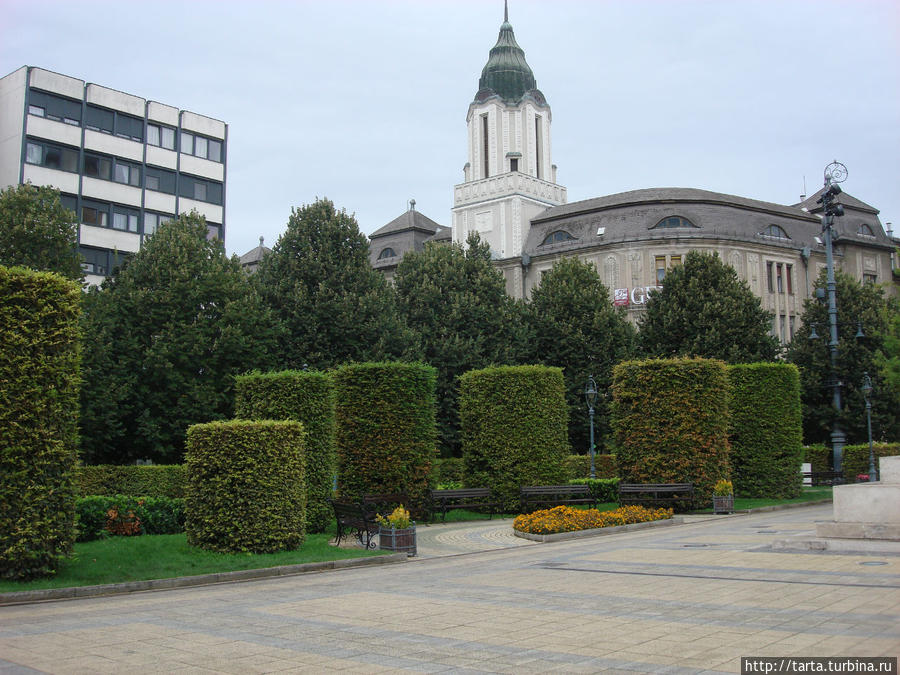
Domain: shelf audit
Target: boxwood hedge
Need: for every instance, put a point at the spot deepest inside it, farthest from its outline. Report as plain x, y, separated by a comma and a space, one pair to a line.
39, 384
307, 397
385, 428
514, 422
670, 418
246, 489
144, 480
766, 430
856, 458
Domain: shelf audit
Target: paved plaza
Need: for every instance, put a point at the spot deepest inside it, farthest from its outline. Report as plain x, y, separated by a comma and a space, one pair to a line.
682, 599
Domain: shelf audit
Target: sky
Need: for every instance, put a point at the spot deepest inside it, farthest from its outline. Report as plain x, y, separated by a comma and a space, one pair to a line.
364, 101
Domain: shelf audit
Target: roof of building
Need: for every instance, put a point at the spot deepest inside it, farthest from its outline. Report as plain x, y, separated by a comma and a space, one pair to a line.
506, 73
255, 255
810, 203
409, 220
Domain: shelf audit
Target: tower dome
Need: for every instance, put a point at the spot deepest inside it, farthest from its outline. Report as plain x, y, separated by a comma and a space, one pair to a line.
506, 73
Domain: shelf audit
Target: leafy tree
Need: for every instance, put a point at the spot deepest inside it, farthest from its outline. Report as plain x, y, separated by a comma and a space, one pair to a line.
705, 310
165, 335
334, 306
888, 356
455, 302
858, 305
37, 232
577, 328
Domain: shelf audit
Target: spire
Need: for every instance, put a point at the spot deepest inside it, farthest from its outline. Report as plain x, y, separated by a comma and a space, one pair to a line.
506, 73
505, 11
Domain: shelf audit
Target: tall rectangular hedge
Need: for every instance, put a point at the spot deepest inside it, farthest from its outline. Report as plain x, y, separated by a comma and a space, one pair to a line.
670, 418
385, 428
39, 385
514, 423
246, 489
766, 430
307, 397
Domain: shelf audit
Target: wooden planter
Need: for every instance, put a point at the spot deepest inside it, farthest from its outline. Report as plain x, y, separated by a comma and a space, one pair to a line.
723, 503
400, 541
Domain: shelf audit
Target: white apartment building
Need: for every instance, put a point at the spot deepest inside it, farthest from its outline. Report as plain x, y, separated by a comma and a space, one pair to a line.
122, 163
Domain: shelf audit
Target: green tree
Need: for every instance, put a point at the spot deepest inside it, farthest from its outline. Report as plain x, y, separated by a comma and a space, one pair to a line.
37, 232
455, 302
164, 337
858, 305
705, 310
334, 306
577, 329
888, 357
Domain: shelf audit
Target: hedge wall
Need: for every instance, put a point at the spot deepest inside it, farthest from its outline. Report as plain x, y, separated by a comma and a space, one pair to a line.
766, 430
579, 466
39, 385
152, 480
514, 423
246, 489
670, 418
819, 456
447, 470
306, 397
385, 428
856, 458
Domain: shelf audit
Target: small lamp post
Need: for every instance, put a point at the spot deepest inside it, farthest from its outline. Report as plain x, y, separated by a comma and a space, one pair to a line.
866, 392
590, 395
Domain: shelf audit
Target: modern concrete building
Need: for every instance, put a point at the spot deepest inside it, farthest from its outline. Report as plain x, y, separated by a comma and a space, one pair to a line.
122, 163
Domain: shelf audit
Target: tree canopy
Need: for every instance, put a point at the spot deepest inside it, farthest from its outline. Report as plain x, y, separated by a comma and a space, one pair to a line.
164, 336
577, 328
37, 232
334, 307
705, 310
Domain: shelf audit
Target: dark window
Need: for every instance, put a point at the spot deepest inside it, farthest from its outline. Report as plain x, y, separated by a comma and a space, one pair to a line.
160, 180
129, 127
200, 189
788, 273
51, 156
865, 230
125, 219
869, 278
770, 284
69, 202
386, 253
514, 164
97, 167
100, 119
96, 261
557, 237
114, 122
775, 231
54, 107
673, 222
213, 231
95, 214
779, 277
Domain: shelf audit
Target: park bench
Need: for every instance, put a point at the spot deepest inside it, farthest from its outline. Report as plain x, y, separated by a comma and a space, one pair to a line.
466, 498
354, 517
535, 497
824, 477
657, 495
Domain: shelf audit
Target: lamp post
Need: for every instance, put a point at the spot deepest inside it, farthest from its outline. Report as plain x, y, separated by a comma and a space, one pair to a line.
590, 395
866, 391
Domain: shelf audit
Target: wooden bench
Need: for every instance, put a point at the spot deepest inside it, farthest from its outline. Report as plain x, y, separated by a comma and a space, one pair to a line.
536, 497
354, 517
657, 495
824, 477
466, 498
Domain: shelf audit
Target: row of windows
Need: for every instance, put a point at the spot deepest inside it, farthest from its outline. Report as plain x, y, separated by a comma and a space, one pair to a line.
44, 104
779, 277
100, 261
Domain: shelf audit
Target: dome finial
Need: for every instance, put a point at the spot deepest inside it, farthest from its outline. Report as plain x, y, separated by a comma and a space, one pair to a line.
505, 11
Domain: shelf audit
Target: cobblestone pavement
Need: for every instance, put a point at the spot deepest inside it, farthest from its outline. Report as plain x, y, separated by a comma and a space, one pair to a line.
684, 599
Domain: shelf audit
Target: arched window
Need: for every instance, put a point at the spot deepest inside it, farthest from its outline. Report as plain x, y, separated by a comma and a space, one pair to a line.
672, 222
556, 237
775, 231
865, 230
386, 253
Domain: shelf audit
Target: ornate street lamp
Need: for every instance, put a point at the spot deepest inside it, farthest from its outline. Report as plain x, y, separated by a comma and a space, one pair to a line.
590, 395
866, 391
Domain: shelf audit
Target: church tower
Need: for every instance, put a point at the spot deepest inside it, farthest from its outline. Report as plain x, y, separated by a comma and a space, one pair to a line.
510, 176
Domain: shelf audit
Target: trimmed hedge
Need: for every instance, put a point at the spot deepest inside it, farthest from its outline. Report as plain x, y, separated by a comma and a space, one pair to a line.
514, 422
579, 466
306, 397
602, 489
447, 470
856, 458
145, 480
246, 489
385, 428
98, 516
819, 457
766, 430
39, 387
670, 418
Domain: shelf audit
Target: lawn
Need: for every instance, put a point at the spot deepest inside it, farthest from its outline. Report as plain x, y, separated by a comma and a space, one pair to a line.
162, 556
809, 494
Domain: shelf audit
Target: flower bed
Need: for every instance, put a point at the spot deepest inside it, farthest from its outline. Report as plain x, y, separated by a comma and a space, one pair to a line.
567, 519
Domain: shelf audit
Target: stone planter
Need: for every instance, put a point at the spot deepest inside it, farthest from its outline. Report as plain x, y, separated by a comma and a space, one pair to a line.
400, 541
723, 503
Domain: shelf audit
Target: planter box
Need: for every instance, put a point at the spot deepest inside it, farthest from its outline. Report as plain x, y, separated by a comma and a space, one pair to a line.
401, 541
723, 503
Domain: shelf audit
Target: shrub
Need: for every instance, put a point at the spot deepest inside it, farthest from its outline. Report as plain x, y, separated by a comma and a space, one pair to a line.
306, 397
856, 458
818, 456
447, 470
671, 422
385, 429
579, 466
246, 489
154, 480
39, 380
602, 489
155, 515
766, 430
514, 429
567, 519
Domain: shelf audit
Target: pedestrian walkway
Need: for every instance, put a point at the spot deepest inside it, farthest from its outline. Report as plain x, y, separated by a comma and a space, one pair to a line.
683, 599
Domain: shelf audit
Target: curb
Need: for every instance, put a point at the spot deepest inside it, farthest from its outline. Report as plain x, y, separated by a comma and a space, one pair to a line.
598, 531
43, 595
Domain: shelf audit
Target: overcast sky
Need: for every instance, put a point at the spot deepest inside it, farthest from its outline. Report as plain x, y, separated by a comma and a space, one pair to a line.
364, 102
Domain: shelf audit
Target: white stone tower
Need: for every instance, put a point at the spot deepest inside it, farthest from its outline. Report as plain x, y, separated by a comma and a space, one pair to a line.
510, 176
